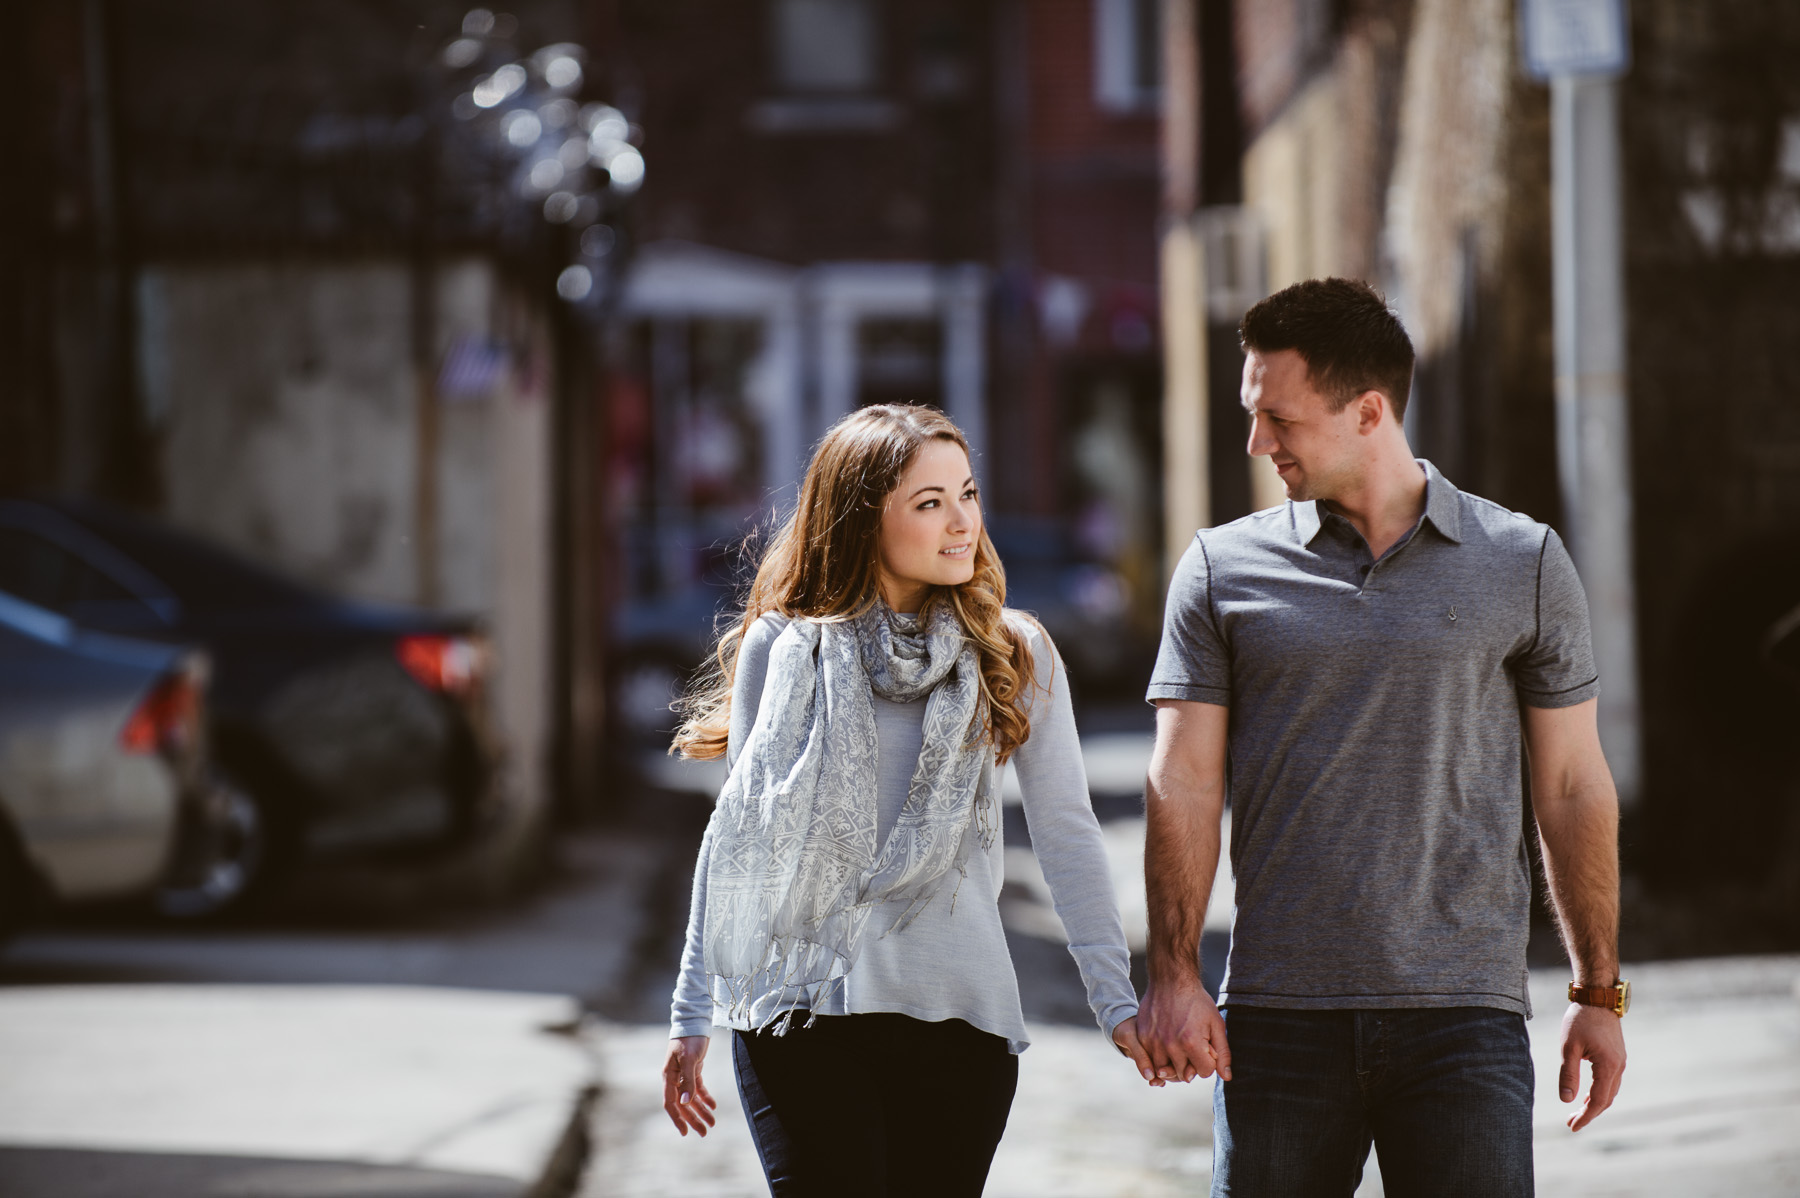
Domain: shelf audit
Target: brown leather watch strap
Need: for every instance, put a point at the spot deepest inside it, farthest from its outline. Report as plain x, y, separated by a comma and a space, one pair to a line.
1615, 998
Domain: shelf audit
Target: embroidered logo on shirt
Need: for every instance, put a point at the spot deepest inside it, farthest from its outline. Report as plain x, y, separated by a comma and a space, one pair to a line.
1453, 613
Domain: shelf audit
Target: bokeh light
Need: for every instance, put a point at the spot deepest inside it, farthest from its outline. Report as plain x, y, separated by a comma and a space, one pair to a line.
558, 114
521, 127
575, 283
562, 73
605, 123
461, 52
597, 241
545, 174
560, 208
573, 154
627, 170
501, 85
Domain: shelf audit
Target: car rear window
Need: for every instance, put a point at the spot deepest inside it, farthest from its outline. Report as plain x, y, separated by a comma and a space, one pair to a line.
200, 574
48, 575
31, 568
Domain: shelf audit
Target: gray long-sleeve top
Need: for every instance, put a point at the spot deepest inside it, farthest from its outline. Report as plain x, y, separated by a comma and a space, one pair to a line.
951, 961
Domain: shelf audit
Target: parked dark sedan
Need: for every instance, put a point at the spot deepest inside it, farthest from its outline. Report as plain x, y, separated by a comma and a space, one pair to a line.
347, 726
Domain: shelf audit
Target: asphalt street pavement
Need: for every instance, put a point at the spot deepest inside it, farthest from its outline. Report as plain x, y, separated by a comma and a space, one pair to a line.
514, 1049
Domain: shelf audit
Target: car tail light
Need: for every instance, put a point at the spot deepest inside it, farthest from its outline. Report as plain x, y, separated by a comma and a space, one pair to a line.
168, 719
450, 665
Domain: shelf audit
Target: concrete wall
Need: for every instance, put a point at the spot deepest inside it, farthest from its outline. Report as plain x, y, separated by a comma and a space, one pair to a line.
1294, 184
286, 403
1448, 184
1414, 153
1466, 245
288, 409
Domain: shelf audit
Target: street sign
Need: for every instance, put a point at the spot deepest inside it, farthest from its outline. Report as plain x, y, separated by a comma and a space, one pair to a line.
1574, 37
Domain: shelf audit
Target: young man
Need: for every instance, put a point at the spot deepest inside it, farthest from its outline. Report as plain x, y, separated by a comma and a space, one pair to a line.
1364, 659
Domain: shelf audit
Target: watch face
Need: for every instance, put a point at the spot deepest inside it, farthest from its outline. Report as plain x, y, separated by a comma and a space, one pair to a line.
1624, 997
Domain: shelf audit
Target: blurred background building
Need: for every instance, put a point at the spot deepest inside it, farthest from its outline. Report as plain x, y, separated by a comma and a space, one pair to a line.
1405, 143
856, 203
299, 277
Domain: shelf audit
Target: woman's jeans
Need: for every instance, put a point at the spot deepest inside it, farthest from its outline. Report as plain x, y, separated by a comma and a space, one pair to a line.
1443, 1093
877, 1106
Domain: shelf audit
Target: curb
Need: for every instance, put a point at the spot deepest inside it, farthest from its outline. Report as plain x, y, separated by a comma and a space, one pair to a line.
567, 1164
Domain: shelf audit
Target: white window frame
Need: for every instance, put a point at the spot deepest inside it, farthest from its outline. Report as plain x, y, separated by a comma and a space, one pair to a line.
1116, 47
676, 280
812, 317
844, 294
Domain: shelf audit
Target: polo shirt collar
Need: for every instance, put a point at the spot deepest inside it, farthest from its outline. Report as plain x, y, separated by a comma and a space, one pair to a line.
1307, 520
1443, 507
1443, 503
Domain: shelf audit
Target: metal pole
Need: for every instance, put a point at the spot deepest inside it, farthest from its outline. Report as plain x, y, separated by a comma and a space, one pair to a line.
1593, 443
1187, 489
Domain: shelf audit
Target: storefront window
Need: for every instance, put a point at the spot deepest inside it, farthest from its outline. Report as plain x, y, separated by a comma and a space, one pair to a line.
825, 46
900, 361
688, 452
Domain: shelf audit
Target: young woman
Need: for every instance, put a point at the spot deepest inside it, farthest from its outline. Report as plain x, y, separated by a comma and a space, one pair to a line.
845, 920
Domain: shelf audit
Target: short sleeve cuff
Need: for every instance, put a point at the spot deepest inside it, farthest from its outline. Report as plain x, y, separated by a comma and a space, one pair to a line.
1192, 691
1562, 698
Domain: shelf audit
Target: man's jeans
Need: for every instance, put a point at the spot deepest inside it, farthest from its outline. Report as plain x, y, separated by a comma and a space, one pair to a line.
1443, 1093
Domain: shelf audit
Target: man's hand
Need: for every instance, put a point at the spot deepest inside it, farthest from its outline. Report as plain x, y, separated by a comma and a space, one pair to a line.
685, 1096
1592, 1034
1183, 1033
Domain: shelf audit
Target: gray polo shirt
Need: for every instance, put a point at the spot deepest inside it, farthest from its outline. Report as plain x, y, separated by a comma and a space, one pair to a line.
1377, 806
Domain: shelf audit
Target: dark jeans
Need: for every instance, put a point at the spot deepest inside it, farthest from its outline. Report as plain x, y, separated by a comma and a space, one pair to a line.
1443, 1093
879, 1105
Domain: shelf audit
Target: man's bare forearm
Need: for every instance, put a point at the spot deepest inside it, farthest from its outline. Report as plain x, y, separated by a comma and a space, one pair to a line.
1579, 832
1577, 812
1184, 800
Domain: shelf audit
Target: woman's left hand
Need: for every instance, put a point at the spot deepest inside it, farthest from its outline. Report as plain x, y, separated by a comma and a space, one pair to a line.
685, 1096
1126, 1037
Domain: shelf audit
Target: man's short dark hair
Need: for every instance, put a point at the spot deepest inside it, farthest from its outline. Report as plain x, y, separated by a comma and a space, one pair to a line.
1344, 331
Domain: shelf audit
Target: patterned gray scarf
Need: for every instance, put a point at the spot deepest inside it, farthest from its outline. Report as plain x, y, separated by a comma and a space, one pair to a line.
795, 868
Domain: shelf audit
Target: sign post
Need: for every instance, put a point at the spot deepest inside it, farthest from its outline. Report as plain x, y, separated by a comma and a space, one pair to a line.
1581, 47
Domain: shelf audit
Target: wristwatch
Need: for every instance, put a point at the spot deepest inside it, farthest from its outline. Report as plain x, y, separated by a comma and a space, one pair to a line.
1615, 998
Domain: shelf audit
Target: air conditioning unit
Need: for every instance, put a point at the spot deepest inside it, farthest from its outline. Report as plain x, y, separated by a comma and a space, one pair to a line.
1234, 263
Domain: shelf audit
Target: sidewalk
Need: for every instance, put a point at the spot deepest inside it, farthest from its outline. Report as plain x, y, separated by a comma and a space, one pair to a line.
1711, 1106
1711, 1102
281, 1089
141, 1091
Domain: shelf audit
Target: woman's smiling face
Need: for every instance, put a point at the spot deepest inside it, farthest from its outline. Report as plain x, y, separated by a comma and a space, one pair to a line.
929, 527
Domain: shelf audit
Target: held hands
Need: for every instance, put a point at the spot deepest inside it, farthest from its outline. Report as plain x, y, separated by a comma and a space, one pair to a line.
685, 1096
1597, 1035
1182, 1034
1125, 1036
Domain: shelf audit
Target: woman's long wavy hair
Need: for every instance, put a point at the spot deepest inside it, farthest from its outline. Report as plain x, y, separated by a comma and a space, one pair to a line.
823, 564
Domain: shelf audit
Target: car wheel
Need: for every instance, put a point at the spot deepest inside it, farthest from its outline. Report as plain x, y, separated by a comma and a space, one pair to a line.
229, 859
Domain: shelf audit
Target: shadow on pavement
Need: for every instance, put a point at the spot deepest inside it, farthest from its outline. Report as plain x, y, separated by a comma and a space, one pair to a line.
91, 1173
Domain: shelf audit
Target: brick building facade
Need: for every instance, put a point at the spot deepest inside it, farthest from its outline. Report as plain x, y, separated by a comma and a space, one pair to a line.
856, 201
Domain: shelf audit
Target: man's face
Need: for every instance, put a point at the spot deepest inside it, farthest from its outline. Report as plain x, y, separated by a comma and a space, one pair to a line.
1316, 451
